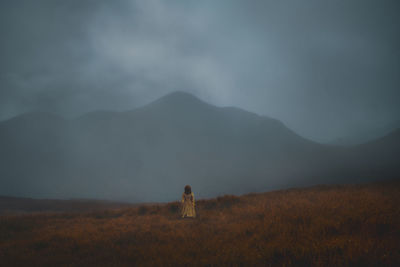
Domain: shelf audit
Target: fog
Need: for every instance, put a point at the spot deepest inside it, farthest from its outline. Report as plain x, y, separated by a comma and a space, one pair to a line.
326, 69
149, 154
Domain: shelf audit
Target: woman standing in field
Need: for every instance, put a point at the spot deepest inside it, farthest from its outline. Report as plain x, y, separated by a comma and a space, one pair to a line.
188, 210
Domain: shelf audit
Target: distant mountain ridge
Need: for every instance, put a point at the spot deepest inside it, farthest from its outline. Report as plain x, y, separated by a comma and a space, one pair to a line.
367, 136
150, 153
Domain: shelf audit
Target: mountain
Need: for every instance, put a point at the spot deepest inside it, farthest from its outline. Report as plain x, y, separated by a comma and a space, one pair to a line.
150, 153
366, 136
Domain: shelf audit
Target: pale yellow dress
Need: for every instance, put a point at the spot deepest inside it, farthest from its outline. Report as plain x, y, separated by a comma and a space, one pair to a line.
188, 209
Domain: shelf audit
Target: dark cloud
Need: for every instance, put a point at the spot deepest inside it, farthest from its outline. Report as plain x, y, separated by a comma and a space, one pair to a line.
325, 68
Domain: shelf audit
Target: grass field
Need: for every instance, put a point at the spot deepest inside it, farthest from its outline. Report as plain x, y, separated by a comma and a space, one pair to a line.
352, 225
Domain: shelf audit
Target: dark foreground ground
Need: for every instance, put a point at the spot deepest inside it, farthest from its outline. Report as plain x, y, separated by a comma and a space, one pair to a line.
352, 225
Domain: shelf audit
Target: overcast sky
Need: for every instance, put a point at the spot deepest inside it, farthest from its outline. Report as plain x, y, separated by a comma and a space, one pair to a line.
324, 68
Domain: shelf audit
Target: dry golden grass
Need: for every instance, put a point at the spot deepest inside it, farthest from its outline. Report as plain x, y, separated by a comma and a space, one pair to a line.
318, 226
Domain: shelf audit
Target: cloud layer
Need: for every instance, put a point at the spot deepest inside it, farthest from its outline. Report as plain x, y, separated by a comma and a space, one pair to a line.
325, 68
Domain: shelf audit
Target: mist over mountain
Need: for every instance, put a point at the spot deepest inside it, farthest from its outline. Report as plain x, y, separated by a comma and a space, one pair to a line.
150, 153
360, 137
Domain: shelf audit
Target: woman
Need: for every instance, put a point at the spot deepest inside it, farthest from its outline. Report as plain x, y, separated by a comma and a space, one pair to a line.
188, 210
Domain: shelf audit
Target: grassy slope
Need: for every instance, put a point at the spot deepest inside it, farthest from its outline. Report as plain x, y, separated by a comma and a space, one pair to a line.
321, 226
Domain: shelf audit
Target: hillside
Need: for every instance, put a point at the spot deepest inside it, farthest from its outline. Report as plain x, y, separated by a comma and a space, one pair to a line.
367, 136
16, 205
319, 226
150, 153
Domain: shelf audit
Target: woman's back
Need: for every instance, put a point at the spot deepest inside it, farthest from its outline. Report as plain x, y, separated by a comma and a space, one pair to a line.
188, 206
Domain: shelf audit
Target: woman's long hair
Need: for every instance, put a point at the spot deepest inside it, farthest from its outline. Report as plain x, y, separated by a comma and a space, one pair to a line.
188, 189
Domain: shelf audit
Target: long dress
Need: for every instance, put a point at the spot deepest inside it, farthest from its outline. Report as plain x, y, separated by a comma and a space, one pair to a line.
188, 205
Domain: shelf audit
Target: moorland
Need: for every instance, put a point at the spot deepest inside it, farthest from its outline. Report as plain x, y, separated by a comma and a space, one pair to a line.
336, 225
